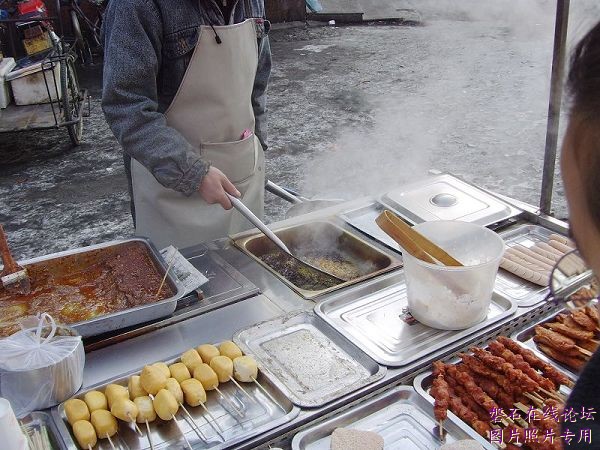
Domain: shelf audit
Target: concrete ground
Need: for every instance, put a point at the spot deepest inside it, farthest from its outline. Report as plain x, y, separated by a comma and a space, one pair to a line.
355, 110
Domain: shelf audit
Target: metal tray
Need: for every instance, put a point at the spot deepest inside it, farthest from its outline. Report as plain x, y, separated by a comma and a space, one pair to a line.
401, 417
126, 317
363, 219
445, 197
370, 260
380, 325
522, 291
258, 417
40, 422
525, 338
308, 359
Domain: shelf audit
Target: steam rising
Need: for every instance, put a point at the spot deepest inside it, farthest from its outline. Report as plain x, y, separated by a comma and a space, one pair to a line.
479, 111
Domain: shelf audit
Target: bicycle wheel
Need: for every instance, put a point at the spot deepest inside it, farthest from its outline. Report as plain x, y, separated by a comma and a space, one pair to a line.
71, 100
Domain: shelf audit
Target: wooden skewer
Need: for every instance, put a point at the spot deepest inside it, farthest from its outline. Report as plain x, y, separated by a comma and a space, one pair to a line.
521, 407
195, 426
555, 395
268, 394
182, 433
213, 422
165, 276
583, 351
243, 390
111, 442
441, 429
135, 425
89, 447
536, 401
233, 405
149, 437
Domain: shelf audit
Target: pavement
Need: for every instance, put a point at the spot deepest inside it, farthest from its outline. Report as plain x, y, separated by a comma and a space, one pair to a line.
354, 110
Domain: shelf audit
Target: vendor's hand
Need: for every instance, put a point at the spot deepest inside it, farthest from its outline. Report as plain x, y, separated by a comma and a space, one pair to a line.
215, 186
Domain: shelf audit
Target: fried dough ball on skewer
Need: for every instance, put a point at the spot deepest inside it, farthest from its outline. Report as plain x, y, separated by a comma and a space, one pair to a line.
124, 409
165, 404
174, 388
207, 376
180, 372
230, 350
193, 392
163, 368
223, 367
208, 352
75, 410
134, 386
245, 369
191, 359
95, 400
85, 434
104, 423
152, 379
145, 407
114, 392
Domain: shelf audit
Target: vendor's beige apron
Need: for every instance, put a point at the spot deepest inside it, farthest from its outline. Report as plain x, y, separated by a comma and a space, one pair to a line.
211, 109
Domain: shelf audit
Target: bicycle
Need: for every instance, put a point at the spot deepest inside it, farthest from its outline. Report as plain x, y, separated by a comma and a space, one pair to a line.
86, 30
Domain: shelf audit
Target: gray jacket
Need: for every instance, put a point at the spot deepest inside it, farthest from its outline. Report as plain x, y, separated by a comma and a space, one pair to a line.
147, 47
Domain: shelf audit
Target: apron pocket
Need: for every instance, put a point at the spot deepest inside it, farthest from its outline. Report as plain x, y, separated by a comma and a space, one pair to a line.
237, 159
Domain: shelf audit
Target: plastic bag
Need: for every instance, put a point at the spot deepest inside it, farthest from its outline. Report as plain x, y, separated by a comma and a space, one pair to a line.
39, 368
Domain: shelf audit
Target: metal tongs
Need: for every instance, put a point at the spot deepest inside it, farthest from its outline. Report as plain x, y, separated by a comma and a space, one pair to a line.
243, 209
414, 242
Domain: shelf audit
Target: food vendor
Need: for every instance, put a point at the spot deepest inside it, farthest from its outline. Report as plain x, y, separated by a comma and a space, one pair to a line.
184, 93
580, 168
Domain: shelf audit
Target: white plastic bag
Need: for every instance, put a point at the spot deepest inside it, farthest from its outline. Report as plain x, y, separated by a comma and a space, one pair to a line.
39, 368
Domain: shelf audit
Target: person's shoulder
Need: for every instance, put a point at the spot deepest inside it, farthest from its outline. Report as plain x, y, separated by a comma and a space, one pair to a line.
132, 6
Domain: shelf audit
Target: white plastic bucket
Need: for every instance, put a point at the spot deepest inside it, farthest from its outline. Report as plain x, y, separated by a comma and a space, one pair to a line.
454, 298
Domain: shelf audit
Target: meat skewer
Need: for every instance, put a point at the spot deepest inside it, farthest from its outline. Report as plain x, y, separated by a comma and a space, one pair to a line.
584, 320
548, 370
561, 343
518, 362
574, 363
467, 399
515, 375
559, 246
592, 312
476, 392
440, 391
481, 369
562, 328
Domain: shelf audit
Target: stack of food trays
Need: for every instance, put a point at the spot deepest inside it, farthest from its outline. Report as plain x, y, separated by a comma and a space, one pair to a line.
506, 393
210, 397
568, 338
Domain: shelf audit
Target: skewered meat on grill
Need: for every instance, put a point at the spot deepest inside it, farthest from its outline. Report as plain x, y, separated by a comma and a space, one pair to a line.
514, 375
584, 320
548, 370
574, 333
468, 383
557, 341
468, 400
462, 411
481, 369
518, 362
439, 390
574, 363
